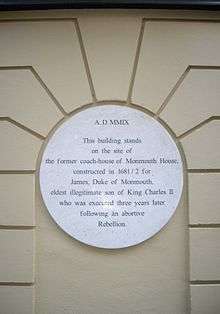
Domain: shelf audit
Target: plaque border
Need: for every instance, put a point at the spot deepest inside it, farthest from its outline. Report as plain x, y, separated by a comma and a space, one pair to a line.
121, 103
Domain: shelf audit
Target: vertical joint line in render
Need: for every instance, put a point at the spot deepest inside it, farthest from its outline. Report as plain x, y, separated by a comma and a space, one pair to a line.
136, 59
85, 60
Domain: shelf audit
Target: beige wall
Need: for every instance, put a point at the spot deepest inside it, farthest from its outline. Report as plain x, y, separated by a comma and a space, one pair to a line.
52, 63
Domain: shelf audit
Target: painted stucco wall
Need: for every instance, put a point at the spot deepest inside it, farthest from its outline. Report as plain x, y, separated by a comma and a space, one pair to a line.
52, 63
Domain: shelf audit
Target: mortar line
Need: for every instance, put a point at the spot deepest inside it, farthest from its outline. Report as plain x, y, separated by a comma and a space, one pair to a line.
17, 171
153, 19
37, 19
204, 67
199, 20
23, 127
35, 221
188, 259
204, 282
22, 284
15, 67
173, 91
203, 170
12, 227
136, 59
207, 226
48, 91
198, 126
85, 60
180, 81
40, 81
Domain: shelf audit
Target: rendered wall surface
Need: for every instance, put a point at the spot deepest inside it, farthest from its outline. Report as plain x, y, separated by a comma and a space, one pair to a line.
52, 63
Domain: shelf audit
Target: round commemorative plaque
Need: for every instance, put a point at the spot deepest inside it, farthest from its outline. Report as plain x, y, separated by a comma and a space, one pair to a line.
111, 176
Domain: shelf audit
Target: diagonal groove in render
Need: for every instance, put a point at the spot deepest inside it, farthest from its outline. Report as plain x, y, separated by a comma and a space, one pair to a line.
198, 126
185, 73
36, 74
82, 48
23, 127
180, 81
47, 90
85, 60
173, 91
136, 59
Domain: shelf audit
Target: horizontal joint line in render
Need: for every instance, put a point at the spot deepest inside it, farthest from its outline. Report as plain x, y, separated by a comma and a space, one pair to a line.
176, 19
37, 19
12, 227
205, 282
17, 171
203, 170
209, 225
22, 284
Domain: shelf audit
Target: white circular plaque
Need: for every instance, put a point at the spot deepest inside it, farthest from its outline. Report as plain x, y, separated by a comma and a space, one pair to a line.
111, 176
